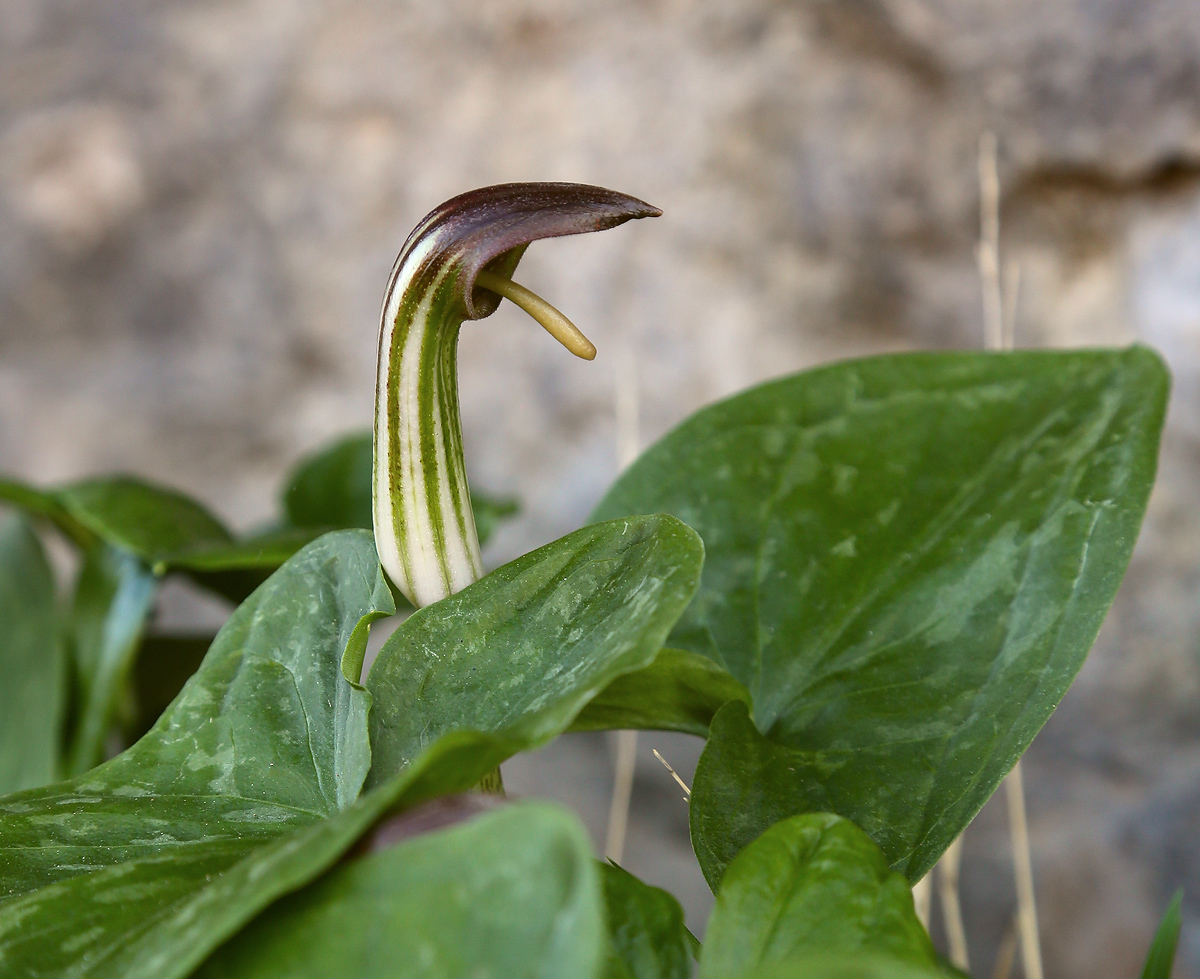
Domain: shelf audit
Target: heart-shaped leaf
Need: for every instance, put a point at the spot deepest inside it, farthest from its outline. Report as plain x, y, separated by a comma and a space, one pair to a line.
32, 665
809, 885
522, 650
510, 894
129, 869
908, 559
645, 927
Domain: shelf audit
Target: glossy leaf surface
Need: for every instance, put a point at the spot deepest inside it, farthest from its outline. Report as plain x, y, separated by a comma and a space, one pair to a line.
811, 884
521, 651
908, 559
511, 894
129, 869
32, 664
645, 926
679, 691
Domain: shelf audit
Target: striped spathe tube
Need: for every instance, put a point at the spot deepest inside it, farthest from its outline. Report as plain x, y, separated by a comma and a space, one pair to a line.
457, 265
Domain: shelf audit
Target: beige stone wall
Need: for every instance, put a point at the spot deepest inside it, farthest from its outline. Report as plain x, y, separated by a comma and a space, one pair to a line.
199, 203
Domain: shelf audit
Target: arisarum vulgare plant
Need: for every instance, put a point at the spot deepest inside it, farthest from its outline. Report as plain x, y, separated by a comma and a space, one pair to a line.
456, 266
867, 586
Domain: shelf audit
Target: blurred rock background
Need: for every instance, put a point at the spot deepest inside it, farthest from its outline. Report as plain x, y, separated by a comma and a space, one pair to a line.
199, 204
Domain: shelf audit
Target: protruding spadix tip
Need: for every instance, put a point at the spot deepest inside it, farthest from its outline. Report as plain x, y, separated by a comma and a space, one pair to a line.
551, 320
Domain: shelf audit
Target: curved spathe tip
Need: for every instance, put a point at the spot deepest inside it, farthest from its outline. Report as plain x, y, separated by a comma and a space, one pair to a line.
494, 224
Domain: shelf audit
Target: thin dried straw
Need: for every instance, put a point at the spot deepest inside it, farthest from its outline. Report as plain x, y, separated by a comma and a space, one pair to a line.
1031, 949
626, 397
956, 935
999, 333
1006, 953
687, 793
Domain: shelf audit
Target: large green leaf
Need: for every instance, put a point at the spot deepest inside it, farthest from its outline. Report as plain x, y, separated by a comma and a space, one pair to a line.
114, 596
645, 926
521, 651
908, 558
332, 488
147, 520
679, 691
811, 884
142, 870
129, 869
32, 665
1161, 957
507, 895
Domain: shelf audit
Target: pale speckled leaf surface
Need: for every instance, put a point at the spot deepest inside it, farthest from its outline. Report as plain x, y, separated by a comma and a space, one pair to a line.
100, 873
908, 558
519, 652
32, 665
513, 894
811, 884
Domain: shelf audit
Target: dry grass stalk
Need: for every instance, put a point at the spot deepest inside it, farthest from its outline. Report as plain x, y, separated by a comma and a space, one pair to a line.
626, 411
1006, 953
923, 898
618, 810
687, 793
956, 935
1031, 949
1000, 327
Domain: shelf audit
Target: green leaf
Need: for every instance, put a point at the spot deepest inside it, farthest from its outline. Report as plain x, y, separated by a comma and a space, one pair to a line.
114, 596
147, 520
645, 926
43, 503
32, 663
678, 691
332, 488
513, 893
744, 784
842, 967
520, 652
234, 569
908, 558
1161, 957
144, 864
811, 884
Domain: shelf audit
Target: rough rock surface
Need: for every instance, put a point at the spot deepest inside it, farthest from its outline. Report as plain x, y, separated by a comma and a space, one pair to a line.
199, 204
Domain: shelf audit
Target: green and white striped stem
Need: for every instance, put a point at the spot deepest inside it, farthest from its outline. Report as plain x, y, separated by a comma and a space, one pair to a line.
455, 266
